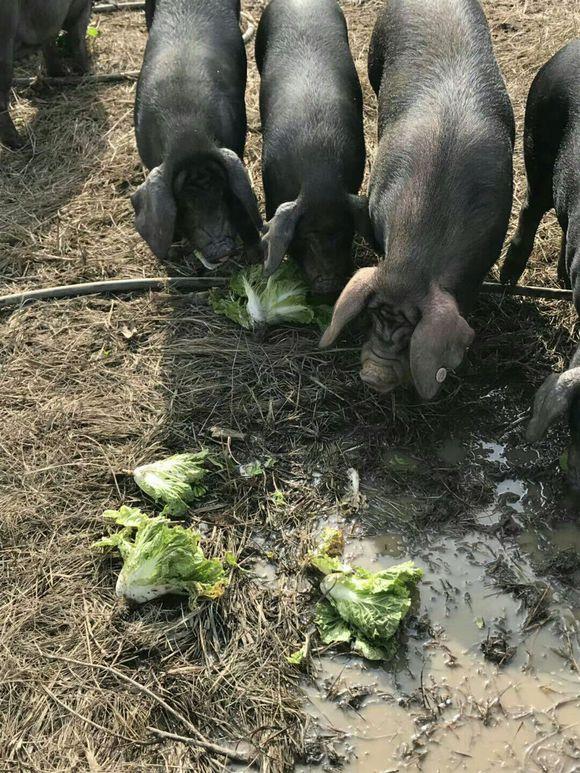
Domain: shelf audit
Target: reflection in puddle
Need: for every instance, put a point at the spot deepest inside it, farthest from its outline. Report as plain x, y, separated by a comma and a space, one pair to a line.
446, 703
516, 491
495, 452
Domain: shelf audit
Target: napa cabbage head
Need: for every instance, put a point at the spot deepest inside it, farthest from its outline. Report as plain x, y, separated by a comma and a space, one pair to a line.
253, 299
160, 558
175, 481
362, 608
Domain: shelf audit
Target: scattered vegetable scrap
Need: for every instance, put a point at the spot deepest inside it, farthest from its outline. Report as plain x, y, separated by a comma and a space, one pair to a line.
361, 607
160, 558
175, 481
256, 468
252, 299
298, 657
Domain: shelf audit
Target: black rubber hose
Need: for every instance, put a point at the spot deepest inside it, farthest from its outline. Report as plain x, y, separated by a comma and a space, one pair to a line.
110, 287
529, 291
76, 80
110, 7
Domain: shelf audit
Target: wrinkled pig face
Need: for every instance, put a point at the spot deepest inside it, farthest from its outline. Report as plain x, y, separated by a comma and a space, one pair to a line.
204, 215
322, 246
385, 355
413, 330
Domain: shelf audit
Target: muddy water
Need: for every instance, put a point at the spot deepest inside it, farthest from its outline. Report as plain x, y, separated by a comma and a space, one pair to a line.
444, 706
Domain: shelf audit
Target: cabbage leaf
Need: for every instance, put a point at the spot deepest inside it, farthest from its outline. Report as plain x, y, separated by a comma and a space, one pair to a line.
361, 607
175, 481
159, 558
252, 299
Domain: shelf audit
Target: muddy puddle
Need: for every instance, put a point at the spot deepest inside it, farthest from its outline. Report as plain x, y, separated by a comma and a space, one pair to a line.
445, 705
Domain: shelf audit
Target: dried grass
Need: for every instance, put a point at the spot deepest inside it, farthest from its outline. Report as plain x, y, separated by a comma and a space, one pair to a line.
80, 404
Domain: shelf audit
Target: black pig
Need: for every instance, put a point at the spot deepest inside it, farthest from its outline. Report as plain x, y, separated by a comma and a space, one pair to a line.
440, 191
190, 123
313, 152
26, 24
552, 155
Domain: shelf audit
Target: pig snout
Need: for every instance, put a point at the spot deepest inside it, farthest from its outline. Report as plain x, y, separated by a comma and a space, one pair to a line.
326, 271
214, 253
384, 368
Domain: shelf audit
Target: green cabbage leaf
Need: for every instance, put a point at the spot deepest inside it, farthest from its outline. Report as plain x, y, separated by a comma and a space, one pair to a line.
252, 299
360, 607
160, 558
175, 482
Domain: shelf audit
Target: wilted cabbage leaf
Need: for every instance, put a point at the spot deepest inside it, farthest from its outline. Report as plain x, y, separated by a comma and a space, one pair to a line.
362, 607
326, 557
298, 657
175, 481
252, 299
160, 558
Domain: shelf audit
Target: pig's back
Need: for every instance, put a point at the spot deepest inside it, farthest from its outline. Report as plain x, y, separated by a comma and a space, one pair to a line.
310, 96
553, 122
436, 52
193, 78
441, 185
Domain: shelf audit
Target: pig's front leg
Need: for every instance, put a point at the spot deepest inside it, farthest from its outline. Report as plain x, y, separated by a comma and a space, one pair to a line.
76, 26
52, 60
8, 20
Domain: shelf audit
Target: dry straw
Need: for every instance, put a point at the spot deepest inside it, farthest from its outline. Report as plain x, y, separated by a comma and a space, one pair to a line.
91, 387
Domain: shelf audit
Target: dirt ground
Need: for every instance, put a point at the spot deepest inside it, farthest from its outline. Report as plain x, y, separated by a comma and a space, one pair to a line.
90, 388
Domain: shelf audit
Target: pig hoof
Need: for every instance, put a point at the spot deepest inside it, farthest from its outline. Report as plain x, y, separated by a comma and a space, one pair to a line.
13, 142
511, 270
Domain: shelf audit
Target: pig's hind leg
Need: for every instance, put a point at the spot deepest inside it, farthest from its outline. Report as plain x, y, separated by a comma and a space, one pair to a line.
539, 199
538, 202
76, 26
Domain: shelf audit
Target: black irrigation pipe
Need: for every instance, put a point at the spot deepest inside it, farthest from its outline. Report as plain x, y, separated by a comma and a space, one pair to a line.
111, 7
75, 80
113, 286
528, 291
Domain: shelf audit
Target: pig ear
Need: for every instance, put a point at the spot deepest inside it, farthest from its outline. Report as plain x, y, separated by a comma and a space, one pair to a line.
438, 343
241, 185
351, 302
279, 233
155, 212
359, 207
552, 400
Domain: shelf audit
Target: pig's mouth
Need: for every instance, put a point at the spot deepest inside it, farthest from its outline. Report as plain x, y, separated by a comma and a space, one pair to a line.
213, 253
211, 263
